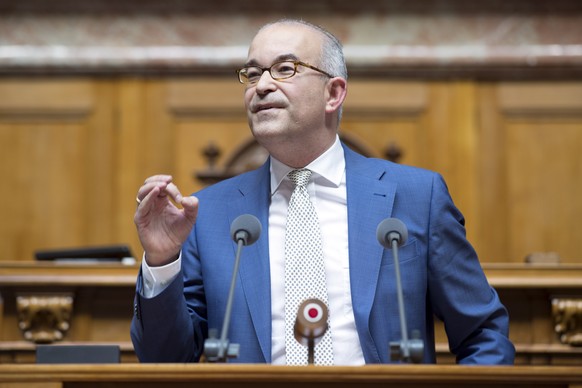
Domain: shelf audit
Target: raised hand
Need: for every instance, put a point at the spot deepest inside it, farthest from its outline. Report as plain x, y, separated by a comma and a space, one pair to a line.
162, 226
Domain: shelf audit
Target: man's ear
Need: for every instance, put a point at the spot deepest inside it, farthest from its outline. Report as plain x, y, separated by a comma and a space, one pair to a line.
336, 91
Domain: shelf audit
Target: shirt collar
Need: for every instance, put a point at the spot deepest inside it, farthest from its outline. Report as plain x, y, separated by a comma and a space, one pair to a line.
330, 166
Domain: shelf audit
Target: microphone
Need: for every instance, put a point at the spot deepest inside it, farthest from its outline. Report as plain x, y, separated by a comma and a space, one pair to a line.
391, 234
244, 230
310, 325
391, 229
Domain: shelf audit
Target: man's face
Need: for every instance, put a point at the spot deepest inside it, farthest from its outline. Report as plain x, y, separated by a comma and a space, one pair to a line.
284, 110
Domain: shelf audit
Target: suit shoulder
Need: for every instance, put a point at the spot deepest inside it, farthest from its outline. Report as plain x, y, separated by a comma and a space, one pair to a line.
358, 160
402, 172
228, 187
412, 172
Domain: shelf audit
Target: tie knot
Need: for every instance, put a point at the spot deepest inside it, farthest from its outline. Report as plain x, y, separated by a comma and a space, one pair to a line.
299, 177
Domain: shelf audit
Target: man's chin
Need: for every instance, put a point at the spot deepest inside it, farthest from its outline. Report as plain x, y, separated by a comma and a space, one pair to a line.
267, 129
269, 134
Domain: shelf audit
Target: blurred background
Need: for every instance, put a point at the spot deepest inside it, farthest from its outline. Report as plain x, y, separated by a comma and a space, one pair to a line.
97, 95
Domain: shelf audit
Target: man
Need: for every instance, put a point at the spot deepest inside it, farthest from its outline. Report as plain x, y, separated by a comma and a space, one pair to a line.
295, 84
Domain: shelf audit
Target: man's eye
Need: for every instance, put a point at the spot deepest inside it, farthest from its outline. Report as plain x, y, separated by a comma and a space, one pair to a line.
253, 73
285, 68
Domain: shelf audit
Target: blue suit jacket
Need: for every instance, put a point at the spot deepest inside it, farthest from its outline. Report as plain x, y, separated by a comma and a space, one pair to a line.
441, 275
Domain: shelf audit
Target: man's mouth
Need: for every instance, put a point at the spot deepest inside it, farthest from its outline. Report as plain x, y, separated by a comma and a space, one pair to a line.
264, 107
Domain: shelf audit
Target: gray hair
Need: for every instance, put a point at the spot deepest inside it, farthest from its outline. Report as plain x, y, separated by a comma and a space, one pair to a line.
332, 54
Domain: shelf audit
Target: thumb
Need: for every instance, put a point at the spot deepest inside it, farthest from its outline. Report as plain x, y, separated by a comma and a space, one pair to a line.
190, 206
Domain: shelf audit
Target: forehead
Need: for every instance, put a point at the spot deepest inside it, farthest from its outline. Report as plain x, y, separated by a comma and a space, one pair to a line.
282, 41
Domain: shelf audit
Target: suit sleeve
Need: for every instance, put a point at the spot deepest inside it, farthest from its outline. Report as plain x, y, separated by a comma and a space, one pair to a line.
476, 322
171, 326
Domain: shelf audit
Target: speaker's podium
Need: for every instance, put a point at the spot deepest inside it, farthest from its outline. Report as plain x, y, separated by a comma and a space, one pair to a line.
259, 376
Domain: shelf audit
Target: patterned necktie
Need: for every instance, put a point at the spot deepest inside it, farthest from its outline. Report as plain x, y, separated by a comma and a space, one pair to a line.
304, 269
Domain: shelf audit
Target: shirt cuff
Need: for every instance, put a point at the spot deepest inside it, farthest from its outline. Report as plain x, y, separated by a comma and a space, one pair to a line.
156, 279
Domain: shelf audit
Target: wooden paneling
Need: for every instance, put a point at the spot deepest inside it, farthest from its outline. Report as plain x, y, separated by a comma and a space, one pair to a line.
379, 114
531, 170
202, 113
56, 165
103, 296
74, 151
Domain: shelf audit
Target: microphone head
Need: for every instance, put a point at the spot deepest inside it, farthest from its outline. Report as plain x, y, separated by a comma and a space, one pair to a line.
311, 321
391, 229
245, 227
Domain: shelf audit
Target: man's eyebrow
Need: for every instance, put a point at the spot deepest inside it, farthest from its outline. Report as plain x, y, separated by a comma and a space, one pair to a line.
279, 58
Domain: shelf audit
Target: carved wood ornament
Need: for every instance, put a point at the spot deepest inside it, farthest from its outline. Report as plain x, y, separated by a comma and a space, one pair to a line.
249, 155
44, 318
567, 314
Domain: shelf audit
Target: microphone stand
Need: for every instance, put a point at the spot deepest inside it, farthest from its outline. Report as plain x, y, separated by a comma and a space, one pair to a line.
310, 351
245, 230
405, 350
215, 348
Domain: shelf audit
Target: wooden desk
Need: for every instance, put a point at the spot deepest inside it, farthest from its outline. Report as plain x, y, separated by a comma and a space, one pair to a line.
101, 310
529, 292
103, 295
256, 376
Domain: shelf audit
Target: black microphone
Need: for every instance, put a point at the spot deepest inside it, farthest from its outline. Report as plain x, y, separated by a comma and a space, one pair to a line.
244, 230
310, 325
391, 234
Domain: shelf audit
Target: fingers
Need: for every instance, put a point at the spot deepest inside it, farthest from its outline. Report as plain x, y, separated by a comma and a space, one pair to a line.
174, 193
164, 185
152, 182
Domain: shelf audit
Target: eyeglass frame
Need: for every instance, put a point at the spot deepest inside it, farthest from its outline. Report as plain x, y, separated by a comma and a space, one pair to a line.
263, 69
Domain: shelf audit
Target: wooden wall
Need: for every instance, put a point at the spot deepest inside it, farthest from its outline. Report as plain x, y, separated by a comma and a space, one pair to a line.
74, 150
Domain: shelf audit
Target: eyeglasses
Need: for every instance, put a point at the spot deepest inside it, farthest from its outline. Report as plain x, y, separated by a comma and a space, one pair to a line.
250, 75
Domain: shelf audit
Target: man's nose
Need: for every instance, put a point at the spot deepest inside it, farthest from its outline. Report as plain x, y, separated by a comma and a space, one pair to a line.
265, 83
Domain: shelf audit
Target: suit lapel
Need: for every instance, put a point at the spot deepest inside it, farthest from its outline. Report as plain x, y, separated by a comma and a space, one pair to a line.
370, 199
254, 270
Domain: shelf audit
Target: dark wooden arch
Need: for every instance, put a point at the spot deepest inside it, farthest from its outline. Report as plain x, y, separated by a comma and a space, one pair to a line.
248, 156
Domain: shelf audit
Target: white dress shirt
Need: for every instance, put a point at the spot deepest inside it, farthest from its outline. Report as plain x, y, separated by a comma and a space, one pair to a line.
327, 189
